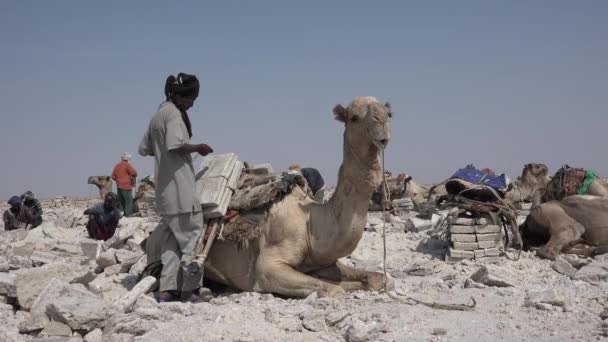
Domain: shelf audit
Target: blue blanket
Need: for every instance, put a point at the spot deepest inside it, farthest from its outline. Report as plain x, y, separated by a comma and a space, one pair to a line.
475, 176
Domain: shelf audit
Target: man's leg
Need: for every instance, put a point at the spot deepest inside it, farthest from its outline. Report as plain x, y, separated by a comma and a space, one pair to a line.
121, 199
170, 256
128, 199
187, 231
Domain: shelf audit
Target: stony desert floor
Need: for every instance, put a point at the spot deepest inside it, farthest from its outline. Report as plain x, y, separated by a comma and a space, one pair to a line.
57, 285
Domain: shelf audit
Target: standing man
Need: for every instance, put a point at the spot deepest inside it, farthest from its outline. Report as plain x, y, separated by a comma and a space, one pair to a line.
168, 140
124, 175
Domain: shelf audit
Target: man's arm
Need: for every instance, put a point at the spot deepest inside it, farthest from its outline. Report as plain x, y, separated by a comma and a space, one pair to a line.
132, 171
202, 149
114, 173
145, 148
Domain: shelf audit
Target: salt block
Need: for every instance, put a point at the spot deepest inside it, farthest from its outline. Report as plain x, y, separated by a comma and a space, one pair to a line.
463, 237
454, 253
489, 244
489, 237
465, 246
490, 228
459, 229
479, 253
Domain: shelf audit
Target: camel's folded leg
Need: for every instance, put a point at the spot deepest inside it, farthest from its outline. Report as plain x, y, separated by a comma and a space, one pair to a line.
561, 237
277, 277
347, 276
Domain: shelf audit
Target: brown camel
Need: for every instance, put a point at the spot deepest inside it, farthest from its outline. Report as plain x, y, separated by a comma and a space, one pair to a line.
534, 177
297, 251
103, 183
403, 186
562, 225
534, 181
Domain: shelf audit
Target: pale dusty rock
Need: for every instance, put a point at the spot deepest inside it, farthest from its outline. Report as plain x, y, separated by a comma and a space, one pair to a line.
6, 307
128, 324
594, 272
468, 284
30, 282
38, 310
483, 276
415, 224
336, 317
362, 332
90, 248
139, 266
79, 309
126, 302
547, 296
561, 265
7, 284
119, 338
314, 321
479, 253
56, 329
4, 299
4, 266
123, 255
115, 269
111, 288
107, 258
94, 336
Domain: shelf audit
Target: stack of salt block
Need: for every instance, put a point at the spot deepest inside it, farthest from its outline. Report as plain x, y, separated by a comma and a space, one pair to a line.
216, 183
404, 204
474, 238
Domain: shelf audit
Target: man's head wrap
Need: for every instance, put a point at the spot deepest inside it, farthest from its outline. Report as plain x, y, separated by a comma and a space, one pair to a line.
184, 85
27, 196
14, 201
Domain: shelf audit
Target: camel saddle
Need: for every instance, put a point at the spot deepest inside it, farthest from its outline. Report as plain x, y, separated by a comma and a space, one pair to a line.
568, 181
251, 202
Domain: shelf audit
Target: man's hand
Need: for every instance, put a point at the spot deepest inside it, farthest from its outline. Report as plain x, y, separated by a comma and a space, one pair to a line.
204, 149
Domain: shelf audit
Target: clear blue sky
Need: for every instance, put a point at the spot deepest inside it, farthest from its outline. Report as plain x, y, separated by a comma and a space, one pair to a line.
494, 83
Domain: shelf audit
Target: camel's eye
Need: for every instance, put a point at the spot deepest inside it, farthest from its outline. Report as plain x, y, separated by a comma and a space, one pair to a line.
390, 114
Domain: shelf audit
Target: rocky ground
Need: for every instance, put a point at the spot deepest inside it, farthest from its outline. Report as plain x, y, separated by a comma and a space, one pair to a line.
57, 285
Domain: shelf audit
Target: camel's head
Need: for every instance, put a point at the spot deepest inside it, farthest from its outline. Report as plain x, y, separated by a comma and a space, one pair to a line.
534, 170
367, 123
100, 181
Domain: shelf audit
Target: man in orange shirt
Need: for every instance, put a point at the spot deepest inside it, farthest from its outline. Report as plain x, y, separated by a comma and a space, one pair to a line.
124, 175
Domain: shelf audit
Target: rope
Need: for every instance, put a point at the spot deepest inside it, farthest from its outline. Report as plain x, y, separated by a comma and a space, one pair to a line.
407, 299
384, 218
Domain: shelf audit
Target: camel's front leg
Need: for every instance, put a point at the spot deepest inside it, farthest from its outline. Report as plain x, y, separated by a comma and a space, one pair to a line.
347, 277
561, 237
276, 276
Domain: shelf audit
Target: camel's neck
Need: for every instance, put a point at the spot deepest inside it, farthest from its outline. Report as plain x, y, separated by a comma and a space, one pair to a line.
346, 212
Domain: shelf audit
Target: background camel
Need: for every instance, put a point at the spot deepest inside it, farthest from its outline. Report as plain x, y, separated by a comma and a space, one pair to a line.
403, 186
297, 249
534, 177
533, 182
103, 183
560, 225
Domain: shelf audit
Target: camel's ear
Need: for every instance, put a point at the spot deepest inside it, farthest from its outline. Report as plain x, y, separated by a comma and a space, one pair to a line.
390, 110
340, 113
388, 105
